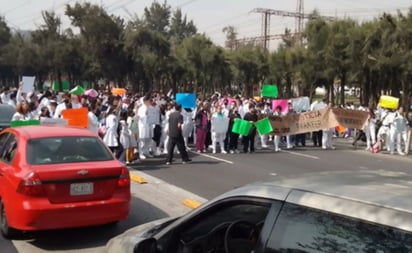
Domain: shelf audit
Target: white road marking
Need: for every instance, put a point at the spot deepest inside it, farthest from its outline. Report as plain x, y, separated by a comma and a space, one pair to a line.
213, 157
398, 186
363, 167
300, 154
273, 174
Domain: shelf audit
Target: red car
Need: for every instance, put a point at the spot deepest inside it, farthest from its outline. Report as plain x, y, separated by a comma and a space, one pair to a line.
59, 177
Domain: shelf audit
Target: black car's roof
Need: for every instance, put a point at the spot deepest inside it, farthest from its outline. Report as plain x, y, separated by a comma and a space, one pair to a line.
378, 187
374, 195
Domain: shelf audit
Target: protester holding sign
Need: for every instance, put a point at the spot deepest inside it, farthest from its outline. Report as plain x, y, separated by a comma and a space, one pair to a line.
249, 140
233, 137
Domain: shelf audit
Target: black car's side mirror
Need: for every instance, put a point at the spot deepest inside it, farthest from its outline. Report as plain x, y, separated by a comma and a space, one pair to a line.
148, 245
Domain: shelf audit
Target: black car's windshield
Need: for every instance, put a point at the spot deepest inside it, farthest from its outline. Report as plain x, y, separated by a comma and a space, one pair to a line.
66, 150
6, 114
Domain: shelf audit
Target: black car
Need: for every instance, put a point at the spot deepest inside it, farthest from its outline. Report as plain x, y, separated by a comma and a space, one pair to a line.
6, 114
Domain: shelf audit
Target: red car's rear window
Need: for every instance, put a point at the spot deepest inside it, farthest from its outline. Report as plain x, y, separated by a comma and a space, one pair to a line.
66, 150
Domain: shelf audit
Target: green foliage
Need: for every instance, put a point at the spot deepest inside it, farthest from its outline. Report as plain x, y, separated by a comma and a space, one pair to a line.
162, 49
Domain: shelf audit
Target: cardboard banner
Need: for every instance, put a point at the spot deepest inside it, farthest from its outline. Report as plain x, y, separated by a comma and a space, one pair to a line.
76, 117
389, 102
318, 120
242, 127
269, 91
348, 118
219, 125
263, 126
186, 100
283, 103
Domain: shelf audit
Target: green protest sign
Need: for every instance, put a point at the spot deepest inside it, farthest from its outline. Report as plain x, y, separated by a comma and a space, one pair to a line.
60, 86
17, 123
55, 86
242, 127
269, 91
263, 126
65, 85
78, 90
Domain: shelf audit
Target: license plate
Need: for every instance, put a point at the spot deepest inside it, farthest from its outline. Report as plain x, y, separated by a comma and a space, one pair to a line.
81, 189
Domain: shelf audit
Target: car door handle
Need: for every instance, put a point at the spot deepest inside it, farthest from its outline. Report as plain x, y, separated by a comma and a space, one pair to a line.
1, 174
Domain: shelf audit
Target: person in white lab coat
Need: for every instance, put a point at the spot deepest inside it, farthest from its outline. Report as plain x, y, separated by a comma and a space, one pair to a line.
145, 129
188, 125
93, 121
398, 132
111, 136
327, 135
218, 136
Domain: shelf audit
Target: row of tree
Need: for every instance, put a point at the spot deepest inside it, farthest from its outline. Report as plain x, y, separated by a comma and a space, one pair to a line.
163, 49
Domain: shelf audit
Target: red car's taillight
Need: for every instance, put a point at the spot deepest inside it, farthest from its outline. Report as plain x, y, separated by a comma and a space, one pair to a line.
31, 185
124, 179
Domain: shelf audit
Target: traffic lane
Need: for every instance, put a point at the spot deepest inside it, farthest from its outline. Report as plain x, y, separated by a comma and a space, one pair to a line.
208, 177
7, 246
203, 176
90, 239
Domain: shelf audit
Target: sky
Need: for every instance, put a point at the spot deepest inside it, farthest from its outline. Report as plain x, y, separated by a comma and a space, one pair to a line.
210, 16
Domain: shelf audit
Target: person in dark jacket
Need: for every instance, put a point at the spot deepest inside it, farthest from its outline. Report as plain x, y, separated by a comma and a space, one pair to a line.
249, 140
176, 137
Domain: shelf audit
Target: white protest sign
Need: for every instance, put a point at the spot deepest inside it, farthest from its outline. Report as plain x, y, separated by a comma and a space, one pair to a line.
28, 84
153, 115
301, 104
220, 125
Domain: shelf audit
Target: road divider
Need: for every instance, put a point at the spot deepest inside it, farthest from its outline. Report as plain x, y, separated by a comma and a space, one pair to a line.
191, 203
137, 179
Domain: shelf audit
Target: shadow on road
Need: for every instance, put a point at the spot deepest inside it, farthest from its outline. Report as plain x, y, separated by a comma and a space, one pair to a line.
91, 237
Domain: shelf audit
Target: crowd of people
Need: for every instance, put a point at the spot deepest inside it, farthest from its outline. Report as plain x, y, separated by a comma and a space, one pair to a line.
136, 127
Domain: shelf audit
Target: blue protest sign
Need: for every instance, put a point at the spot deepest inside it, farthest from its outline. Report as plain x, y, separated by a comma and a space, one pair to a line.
186, 100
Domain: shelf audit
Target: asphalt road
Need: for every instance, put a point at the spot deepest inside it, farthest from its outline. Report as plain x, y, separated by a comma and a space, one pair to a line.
206, 177
212, 174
